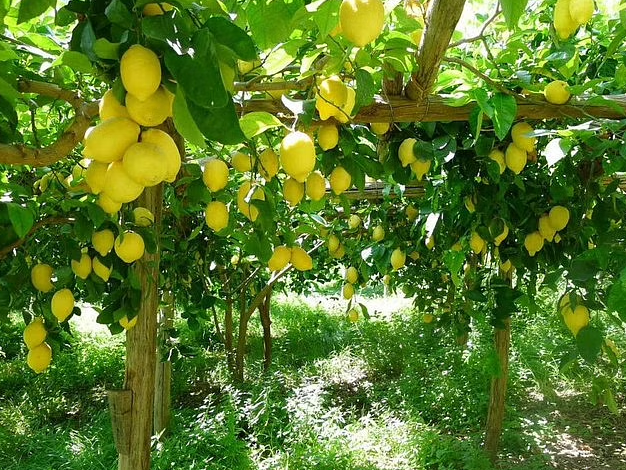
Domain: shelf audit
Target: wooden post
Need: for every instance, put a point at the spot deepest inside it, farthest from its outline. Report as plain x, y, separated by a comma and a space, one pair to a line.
266, 322
141, 349
120, 404
163, 372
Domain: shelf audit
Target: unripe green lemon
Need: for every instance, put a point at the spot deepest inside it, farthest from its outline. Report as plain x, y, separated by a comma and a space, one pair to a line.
347, 291
351, 275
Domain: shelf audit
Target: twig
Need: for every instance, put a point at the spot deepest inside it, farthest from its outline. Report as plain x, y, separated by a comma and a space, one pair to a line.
480, 36
43, 222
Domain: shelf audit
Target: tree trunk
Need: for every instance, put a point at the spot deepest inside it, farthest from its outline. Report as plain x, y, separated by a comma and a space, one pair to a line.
495, 416
228, 335
244, 318
266, 321
141, 349
163, 374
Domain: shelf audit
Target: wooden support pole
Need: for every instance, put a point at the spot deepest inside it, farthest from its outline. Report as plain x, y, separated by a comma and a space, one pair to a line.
163, 372
120, 404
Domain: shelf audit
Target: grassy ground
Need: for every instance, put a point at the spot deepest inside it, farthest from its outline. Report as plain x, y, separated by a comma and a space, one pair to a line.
387, 393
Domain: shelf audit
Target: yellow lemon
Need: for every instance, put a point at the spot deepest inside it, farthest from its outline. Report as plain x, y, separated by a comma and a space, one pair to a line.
293, 191
129, 246
498, 156
126, 323
498, 239
82, 267
328, 136
280, 258
386, 279
119, 186
331, 97
576, 319
430, 242
62, 304
521, 133
143, 217
353, 315
216, 215
297, 155
215, 175
246, 194
145, 163
108, 205
140, 70
109, 140
333, 243
168, 148
340, 252
41, 277
477, 244
564, 24
428, 318
340, 180
300, 259
533, 243
558, 217
315, 186
354, 221
506, 266
95, 175
351, 275
411, 213
109, 107
406, 152
241, 161
156, 9
398, 258
545, 228
268, 164
347, 291
380, 128
101, 270
378, 234
102, 241
515, 158
469, 204
420, 167
39, 358
581, 11
557, 92
344, 113
361, 21
35, 333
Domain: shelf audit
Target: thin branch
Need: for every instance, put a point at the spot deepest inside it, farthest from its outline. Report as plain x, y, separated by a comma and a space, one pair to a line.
4, 252
480, 36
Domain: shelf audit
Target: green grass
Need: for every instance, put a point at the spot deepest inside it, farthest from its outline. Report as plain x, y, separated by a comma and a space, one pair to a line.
387, 393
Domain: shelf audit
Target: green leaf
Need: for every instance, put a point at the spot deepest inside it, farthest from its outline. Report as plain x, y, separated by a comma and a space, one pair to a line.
183, 121
118, 14
197, 71
75, 60
8, 92
21, 218
219, 124
454, 261
365, 89
616, 301
270, 20
232, 36
325, 15
163, 28
582, 270
29, 9
105, 49
504, 112
513, 10
589, 341
255, 123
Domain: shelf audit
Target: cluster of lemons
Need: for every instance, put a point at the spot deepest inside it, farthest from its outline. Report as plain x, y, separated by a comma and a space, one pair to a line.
406, 153
548, 227
127, 153
575, 314
569, 15
39, 352
296, 255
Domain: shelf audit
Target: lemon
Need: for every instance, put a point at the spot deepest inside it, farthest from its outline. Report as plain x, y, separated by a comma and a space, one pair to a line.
328, 136
300, 259
564, 24
420, 167
576, 319
558, 217
345, 112
398, 258
515, 158
331, 97
557, 92
268, 164
169, 149
41, 277
354, 221
108, 205
129, 246
216, 215
35, 333
498, 156
62, 304
378, 234
581, 11
351, 275
145, 164
380, 128
386, 279
315, 186
333, 243
347, 291
428, 318
545, 228
140, 70
411, 213
477, 244
406, 152
280, 258
79, 170
361, 21
102, 241
109, 140
109, 107
101, 270
293, 191
156, 9
126, 323
353, 315
469, 204
277, 94
533, 243
39, 358
95, 175
506, 266
82, 267
521, 135
456, 247
340, 180
119, 186
244, 195
142, 217
241, 162
498, 239
340, 252
297, 155
215, 175
430, 242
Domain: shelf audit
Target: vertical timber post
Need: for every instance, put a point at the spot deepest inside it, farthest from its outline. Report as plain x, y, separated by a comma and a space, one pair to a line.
163, 372
141, 349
